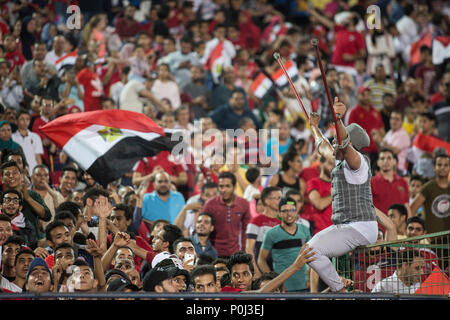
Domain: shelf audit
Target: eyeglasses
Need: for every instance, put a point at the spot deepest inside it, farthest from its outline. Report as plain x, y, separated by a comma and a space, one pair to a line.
13, 200
288, 211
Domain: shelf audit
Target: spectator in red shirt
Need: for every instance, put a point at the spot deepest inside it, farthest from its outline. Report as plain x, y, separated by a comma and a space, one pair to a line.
231, 214
368, 118
387, 187
319, 192
126, 26
12, 55
93, 87
425, 74
147, 168
349, 43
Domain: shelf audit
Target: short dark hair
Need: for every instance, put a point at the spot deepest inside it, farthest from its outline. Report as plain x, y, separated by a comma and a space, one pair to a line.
252, 174
181, 239
22, 111
65, 169
15, 239
4, 217
240, 257
11, 191
53, 225
288, 156
204, 259
201, 270
65, 214
64, 245
171, 233
209, 185
228, 175
128, 212
9, 164
440, 155
24, 250
70, 206
220, 260
94, 193
416, 177
382, 150
407, 256
417, 220
158, 221
400, 208
266, 193
430, 116
207, 214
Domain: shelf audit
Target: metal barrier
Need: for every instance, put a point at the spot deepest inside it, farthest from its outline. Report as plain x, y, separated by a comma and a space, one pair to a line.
224, 296
418, 265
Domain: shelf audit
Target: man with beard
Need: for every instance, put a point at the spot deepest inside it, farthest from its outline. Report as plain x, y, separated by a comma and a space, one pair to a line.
231, 214
284, 242
387, 187
319, 193
162, 203
33, 206
11, 205
354, 214
204, 226
40, 180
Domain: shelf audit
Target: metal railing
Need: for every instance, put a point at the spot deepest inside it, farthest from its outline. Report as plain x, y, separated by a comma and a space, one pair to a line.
368, 265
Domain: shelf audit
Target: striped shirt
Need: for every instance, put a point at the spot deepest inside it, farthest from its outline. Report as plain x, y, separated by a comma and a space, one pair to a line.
256, 229
377, 90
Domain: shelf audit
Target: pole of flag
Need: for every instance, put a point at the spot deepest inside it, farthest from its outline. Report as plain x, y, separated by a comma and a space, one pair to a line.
277, 57
315, 44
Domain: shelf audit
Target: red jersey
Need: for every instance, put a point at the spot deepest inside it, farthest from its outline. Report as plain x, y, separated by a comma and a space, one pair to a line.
385, 193
368, 119
349, 42
93, 89
321, 218
15, 58
146, 166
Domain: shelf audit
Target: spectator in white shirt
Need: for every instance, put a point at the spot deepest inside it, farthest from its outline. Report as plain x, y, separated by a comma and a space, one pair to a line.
30, 142
58, 50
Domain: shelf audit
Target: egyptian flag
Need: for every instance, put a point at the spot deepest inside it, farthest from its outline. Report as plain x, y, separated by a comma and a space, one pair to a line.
216, 61
426, 143
280, 78
415, 57
108, 143
66, 60
441, 49
261, 86
275, 29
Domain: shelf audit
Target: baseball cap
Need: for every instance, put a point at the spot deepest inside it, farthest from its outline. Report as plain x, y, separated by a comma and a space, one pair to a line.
166, 255
285, 201
358, 136
118, 272
38, 262
362, 89
157, 275
120, 284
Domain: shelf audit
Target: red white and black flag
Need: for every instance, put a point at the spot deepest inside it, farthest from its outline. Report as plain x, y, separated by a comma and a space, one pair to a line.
108, 143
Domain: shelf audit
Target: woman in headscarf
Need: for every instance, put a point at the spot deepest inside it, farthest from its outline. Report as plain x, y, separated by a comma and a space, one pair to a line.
27, 37
6, 142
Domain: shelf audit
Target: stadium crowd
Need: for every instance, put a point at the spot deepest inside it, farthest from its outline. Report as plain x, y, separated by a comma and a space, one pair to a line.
172, 225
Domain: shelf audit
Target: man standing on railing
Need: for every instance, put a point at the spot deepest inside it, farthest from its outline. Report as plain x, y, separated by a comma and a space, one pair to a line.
354, 218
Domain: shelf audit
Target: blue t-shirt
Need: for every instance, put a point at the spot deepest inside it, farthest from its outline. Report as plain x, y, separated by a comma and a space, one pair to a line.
282, 148
285, 248
153, 208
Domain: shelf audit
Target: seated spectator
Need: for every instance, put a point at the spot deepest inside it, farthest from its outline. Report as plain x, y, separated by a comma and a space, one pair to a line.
165, 87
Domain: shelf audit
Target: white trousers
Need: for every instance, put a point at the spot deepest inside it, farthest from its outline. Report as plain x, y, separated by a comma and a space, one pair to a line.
335, 241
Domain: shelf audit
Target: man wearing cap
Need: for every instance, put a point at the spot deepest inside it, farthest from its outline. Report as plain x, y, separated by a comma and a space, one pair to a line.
121, 285
369, 118
39, 277
160, 279
354, 218
284, 242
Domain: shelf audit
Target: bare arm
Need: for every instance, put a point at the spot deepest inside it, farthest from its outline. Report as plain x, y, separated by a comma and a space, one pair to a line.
320, 203
262, 260
323, 146
249, 248
305, 256
388, 224
417, 202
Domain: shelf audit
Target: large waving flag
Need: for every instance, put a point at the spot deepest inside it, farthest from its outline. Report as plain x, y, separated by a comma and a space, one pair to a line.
107, 143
